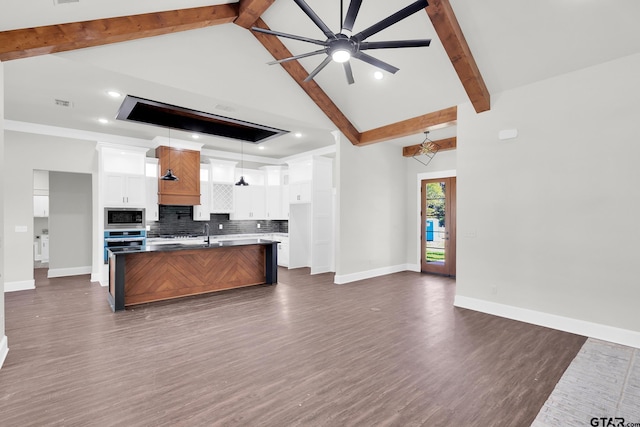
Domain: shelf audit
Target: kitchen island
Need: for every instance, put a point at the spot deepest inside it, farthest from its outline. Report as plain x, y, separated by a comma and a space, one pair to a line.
163, 272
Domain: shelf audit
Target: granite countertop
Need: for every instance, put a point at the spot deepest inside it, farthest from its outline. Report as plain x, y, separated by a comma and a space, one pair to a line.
200, 244
213, 238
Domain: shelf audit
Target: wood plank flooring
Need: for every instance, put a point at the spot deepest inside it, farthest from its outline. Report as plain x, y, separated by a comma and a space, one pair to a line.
390, 351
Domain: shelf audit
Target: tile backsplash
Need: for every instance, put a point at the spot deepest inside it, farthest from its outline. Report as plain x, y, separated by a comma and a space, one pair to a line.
178, 220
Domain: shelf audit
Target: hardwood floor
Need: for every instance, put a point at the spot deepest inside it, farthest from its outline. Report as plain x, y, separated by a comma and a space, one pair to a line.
390, 351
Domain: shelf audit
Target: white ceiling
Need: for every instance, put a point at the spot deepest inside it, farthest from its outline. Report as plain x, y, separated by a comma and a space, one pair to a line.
223, 69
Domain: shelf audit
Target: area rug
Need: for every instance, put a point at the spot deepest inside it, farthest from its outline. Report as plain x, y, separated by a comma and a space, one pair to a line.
601, 387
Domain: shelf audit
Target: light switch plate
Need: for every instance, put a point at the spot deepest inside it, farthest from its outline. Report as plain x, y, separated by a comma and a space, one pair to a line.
21, 228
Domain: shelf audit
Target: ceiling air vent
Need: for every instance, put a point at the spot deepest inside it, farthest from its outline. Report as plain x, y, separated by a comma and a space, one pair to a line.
225, 108
63, 103
57, 2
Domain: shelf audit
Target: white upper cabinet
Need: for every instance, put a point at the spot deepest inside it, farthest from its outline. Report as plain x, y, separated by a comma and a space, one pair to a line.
274, 193
123, 175
202, 212
300, 176
249, 202
41, 193
41, 206
125, 190
222, 180
152, 208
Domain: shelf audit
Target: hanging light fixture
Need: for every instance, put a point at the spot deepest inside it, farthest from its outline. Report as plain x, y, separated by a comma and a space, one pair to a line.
169, 176
242, 181
427, 148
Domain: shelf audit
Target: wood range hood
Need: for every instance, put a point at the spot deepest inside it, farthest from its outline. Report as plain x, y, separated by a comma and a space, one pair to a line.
185, 164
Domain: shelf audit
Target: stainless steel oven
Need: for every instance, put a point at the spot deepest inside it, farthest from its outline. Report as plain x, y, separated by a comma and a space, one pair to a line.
124, 240
124, 218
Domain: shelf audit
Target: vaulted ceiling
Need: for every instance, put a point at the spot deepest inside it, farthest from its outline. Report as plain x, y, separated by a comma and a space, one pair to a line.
191, 53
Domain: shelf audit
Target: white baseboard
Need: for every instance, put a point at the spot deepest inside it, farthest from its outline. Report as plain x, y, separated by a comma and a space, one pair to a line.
100, 279
23, 285
580, 327
353, 277
414, 267
4, 350
73, 271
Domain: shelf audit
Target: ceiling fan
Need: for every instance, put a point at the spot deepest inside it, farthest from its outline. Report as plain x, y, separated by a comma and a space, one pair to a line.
343, 46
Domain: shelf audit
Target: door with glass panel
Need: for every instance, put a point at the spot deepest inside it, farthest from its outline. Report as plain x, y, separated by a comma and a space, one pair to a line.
438, 234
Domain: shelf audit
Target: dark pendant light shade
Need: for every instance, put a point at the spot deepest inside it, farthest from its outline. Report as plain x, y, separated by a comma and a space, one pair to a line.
169, 176
242, 181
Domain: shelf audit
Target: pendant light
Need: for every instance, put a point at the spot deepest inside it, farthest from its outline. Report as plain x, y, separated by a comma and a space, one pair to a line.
427, 148
169, 176
242, 181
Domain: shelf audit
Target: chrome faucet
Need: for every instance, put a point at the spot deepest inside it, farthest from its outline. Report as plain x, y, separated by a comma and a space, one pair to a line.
206, 230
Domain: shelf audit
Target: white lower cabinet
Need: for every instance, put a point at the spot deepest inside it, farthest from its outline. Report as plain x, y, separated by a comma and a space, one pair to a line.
283, 251
44, 248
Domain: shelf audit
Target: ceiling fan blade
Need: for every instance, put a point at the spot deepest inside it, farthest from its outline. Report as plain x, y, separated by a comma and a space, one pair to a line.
303, 55
289, 36
394, 44
352, 12
318, 69
375, 62
389, 21
348, 72
315, 18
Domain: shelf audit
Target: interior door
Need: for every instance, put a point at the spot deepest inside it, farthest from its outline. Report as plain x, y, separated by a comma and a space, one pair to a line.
438, 231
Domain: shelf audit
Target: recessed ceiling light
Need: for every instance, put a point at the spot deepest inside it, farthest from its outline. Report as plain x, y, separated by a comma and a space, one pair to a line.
195, 136
103, 121
114, 94
297, 135
261, 148
378, 75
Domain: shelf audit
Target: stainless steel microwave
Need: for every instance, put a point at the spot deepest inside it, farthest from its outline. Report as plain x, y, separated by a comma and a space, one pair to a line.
123, 218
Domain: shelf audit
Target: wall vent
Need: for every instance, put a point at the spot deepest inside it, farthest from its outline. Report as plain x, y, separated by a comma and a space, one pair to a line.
63, 103
57, 2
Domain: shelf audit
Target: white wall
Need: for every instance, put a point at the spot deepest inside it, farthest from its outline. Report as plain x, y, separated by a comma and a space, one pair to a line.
70, 224
23, 153
3, 338
371, 213
444, 161
556, 212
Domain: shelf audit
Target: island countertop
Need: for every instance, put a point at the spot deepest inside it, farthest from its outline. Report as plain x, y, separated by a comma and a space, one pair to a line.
191, 244
168, 271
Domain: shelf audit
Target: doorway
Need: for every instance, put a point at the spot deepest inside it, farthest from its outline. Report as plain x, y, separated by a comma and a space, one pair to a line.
438, 229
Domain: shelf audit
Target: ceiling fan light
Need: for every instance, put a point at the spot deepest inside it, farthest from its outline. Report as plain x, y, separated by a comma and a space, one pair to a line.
341, 55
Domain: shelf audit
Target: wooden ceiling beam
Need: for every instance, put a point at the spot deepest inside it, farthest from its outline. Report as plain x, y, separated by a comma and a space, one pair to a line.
431, 121
443, 145
279, 51
27, 42
251, 11
450, 34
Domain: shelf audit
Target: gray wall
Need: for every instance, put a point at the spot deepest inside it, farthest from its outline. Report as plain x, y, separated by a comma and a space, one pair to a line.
2, 233
70, 220
371, 208
549, 221
23, 153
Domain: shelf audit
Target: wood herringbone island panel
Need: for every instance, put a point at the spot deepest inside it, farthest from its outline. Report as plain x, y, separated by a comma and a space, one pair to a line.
164, 275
